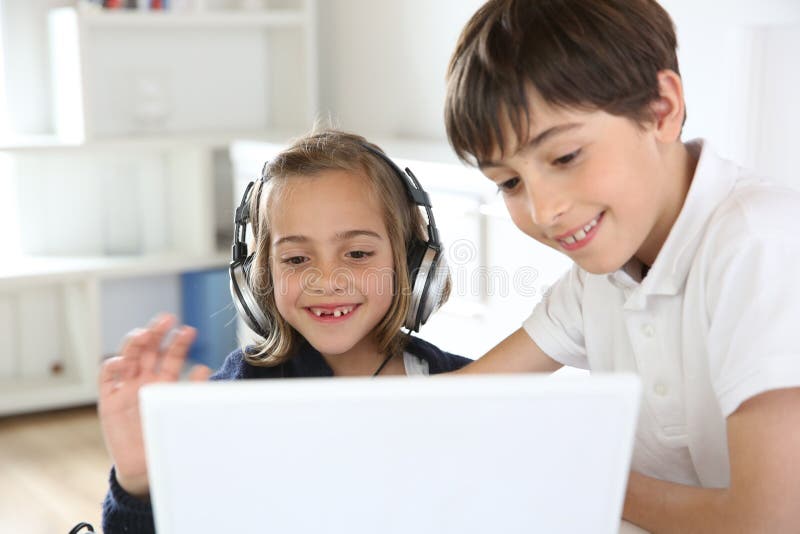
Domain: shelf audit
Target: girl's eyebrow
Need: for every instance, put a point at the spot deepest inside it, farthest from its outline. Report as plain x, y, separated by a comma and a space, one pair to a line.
341, 236
291, 239
350, 234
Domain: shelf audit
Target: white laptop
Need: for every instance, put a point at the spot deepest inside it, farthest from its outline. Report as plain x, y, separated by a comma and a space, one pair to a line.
425, 455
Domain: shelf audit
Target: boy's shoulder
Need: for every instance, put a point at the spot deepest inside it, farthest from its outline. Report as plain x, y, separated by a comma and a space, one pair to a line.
758, 205
438, 360
729, 208
749, 240
756, 210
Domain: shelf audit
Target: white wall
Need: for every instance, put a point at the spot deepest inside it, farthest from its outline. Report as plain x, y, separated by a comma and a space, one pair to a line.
740, 69
383, 63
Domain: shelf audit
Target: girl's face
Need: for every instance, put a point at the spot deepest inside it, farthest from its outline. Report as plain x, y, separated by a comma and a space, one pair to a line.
331, 260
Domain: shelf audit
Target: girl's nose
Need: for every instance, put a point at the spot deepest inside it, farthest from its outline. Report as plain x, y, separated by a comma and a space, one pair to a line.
328, 280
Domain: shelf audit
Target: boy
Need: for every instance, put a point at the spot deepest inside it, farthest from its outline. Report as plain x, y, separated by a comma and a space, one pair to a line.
684, 263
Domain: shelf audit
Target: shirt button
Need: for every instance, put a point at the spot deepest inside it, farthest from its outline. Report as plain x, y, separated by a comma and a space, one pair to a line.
648, 330
660, 389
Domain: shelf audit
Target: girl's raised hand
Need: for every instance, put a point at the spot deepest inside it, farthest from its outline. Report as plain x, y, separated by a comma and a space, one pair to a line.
144, 359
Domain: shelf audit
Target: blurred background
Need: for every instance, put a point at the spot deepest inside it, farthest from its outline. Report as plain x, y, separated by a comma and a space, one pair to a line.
127, 134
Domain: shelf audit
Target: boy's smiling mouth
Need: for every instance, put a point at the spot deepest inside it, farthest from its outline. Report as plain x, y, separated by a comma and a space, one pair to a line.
580, 237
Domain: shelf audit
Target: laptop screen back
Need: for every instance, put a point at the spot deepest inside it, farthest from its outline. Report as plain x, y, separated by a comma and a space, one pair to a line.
436, 455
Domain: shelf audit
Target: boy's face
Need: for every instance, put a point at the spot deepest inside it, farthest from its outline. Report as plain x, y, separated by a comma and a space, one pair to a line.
586, 183
331, 260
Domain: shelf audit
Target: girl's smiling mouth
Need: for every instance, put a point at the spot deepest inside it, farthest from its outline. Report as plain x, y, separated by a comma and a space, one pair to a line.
332, 313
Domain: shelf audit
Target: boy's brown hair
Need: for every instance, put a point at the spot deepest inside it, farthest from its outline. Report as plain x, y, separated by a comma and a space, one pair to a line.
585, 54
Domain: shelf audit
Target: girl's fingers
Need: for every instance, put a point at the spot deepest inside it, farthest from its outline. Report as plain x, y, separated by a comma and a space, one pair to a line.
158, 328
114, 371
175, 354
133, 347
127, 342
200, 373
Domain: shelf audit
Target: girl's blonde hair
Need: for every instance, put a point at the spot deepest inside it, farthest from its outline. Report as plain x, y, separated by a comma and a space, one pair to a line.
323, 150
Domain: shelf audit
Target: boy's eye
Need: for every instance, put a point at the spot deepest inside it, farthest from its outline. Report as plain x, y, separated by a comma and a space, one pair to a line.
360, 254
508, 185
567, 158
295, 260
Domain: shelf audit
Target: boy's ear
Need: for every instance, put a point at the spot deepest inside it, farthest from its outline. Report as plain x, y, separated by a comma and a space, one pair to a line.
669, 109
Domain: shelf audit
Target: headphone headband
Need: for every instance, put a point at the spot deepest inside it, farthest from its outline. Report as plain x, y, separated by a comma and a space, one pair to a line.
415, 191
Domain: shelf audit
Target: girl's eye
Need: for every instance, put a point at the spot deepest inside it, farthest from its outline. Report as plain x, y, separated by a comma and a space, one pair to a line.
509, 185
360, 254
295, 260
566, 159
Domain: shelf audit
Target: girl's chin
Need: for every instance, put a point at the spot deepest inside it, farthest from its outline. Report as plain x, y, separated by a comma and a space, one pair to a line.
331, 347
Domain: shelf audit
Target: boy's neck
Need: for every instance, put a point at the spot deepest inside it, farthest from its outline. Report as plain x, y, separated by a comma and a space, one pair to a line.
680, 162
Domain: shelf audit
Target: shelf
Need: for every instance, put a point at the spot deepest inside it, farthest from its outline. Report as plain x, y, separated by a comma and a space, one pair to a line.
284, 18
26, 395
126, 195
42, 270
148, 142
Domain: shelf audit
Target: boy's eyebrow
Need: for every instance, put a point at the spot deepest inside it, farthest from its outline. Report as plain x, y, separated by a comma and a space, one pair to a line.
341, 236
536, 141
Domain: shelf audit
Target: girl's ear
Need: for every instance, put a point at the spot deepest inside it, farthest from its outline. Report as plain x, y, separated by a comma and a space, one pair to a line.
669, 109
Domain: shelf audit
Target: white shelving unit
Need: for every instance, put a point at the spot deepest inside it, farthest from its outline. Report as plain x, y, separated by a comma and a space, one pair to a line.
130, 189
184, 69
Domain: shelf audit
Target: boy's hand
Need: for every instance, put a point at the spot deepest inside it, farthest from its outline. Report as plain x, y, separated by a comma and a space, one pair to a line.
141, 361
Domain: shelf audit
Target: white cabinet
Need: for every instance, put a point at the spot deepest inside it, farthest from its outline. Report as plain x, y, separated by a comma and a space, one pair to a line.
132, 186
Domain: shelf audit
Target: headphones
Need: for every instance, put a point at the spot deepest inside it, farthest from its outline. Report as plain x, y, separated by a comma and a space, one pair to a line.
427, 267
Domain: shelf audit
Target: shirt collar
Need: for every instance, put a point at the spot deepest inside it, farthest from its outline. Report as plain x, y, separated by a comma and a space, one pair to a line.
713, 180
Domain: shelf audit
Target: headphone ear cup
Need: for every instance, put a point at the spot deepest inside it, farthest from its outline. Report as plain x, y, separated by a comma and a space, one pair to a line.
415, 254
244, 298
437, 282
428, 280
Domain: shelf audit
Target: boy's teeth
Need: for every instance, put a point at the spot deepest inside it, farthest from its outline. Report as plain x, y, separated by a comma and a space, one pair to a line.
337, 313
580, 234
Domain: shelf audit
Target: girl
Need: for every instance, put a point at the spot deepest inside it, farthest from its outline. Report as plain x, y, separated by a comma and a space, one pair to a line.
342, 260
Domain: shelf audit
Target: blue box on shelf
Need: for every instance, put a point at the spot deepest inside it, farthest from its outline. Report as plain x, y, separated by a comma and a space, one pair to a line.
207, 306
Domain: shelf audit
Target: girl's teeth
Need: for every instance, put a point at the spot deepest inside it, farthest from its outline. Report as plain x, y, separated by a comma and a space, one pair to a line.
580, 235
335, 313
570, 240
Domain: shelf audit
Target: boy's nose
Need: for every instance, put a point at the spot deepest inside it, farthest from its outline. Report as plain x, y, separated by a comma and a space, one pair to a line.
546, 206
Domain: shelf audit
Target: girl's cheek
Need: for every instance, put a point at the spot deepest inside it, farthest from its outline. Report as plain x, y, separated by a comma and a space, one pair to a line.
286, 282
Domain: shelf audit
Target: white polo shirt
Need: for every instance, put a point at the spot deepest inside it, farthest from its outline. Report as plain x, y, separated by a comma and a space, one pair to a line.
715, 321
